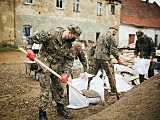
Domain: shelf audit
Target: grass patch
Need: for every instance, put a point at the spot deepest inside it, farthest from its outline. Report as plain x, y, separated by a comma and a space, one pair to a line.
7, 47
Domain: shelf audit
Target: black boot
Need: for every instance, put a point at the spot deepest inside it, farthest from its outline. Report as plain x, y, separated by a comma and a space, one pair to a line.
61, 111
42, 115
141, 78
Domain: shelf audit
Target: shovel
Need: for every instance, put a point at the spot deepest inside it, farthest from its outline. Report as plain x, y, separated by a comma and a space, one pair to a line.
112, 80
87, 93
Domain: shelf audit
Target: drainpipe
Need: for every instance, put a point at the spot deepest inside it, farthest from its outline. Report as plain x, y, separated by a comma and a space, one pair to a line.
14, 8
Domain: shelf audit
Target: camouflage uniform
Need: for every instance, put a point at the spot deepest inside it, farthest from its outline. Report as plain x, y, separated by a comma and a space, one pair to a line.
146, 48
83, 60
80, 54
105, 46
90, 55
59, 56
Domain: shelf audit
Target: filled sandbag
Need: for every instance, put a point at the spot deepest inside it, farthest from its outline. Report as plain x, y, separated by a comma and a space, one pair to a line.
77, 100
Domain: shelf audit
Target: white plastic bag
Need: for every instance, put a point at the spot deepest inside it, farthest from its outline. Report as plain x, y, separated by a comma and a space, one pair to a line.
121, 85
141, 66
119, 68
76, 100
96, 84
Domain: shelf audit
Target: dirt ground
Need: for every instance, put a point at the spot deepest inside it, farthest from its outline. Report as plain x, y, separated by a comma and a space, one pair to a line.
19, 97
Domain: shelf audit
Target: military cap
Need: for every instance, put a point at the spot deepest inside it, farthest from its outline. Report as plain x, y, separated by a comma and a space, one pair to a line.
139, 33
75, 30
114, 27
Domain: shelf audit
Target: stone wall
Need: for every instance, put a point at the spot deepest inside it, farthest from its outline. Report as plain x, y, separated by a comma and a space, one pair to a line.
44, 15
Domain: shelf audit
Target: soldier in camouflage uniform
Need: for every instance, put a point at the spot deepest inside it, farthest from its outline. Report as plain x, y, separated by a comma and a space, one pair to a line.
145, 46
79, 54
105, 46
90, 55
58, 54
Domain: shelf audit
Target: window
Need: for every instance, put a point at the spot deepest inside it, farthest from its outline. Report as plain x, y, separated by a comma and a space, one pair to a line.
29, 1
97, 35
99, 8
27, 29
59, 4
76, 5
131, 38
112, 9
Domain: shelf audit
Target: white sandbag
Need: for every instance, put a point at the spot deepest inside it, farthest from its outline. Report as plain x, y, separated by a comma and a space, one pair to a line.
141, 66
76, 100
96, 84
119, 68
121, 85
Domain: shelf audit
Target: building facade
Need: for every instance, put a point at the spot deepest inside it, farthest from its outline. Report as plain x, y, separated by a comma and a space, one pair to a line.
20, 18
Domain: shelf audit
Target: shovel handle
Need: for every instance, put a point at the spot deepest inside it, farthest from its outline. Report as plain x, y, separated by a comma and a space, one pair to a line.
49, 69
112, 80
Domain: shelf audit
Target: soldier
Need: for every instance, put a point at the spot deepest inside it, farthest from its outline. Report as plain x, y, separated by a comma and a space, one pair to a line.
105, 46
58, 54
79, 54
90, 55
146, 48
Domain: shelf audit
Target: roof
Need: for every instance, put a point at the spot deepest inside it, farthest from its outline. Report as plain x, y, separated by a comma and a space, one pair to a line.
142, 14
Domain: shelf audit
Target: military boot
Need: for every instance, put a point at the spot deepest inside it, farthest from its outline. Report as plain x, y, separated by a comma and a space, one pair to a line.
42, 115
61, 111
141, 78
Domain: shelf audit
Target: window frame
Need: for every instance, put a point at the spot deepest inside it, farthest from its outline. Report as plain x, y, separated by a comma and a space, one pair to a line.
29, 3
30, 31
76, 5
99, 8
58, 4
112, 9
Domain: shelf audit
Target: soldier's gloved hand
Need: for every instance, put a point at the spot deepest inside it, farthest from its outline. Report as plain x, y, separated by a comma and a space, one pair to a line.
30, 54
64, 78
119, 61
85, 75
151, 58
134, 57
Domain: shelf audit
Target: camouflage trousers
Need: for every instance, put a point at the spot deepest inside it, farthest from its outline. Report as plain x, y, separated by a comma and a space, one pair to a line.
100, 64
48, 83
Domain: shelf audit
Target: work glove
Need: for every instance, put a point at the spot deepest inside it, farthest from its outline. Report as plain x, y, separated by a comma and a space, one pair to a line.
134, 57
30, 54
119, 61
70, 79
85, 75
151, 58
64, 78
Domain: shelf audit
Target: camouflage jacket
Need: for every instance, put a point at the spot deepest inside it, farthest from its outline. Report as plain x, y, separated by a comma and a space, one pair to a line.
145, 47
83, 60
105, 46
54, 50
